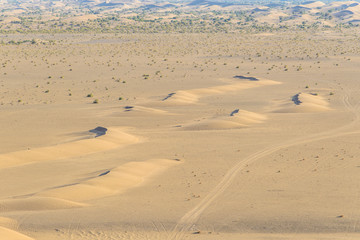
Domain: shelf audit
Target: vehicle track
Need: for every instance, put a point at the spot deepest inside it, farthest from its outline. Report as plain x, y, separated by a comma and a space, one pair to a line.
190, 218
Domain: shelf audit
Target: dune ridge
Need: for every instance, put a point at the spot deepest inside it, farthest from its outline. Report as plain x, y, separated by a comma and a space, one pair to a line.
37, 204
142, 109
110, 182
8, 234
193, 95
114, 181
236, 119
133, 110
8, 222
114, 138
303, 103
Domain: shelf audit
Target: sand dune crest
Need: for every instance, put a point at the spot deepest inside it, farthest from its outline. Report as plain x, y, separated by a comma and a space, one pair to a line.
114, 181
141, 109
37, 204
114, 138
193, 95
8, 234
303, 103
8, 222
236, 119
110, 182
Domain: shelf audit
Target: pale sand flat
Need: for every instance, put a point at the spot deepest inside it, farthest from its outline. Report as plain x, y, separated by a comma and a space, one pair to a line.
202, 235
253, 175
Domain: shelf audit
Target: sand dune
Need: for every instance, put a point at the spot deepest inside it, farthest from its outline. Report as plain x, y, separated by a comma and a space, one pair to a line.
82, 18
131, 110
312, 4
8, 222
8, 234
11, 19
111, 182
113, 139
236, 119
141, 109
303, 103
272, 17
37, 204
193, 95
181, 97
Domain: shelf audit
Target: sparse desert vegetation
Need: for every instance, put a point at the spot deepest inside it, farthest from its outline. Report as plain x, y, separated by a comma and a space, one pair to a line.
178, 16
179, 120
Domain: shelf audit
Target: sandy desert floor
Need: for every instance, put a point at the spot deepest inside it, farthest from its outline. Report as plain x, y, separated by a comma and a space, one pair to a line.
192, 137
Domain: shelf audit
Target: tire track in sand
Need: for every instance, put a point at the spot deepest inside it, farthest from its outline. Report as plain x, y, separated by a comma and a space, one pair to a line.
188, 220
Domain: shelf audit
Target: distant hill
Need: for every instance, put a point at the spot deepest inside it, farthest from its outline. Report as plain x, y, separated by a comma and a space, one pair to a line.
173, 15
